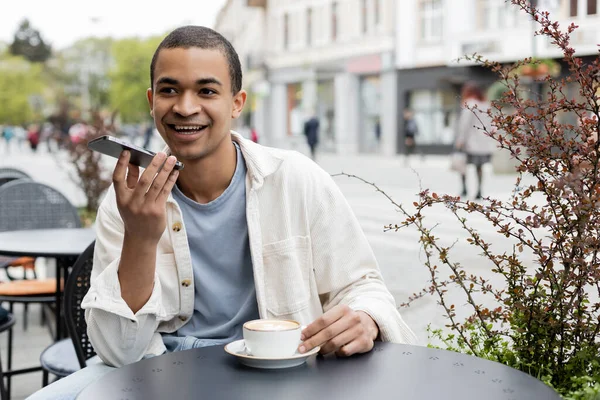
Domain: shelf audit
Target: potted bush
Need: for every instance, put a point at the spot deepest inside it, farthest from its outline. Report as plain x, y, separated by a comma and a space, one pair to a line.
538, 68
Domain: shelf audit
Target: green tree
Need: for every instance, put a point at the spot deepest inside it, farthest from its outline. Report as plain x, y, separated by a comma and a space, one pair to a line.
28, 43
130, 77
83, 70
22, 86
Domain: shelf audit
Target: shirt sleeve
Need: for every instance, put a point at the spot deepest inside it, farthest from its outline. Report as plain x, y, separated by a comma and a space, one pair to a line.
118, 335
345, 265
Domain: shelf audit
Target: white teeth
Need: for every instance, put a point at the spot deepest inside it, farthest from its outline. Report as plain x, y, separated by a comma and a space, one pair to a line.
187, 128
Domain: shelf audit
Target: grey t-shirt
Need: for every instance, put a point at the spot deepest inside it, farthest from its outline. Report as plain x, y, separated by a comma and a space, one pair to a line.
225, 296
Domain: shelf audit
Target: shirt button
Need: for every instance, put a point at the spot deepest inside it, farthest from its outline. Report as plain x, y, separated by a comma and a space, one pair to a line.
176, 227
181, 317
186, 283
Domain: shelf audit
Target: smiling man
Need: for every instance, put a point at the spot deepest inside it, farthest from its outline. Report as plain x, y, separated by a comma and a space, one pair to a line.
184, 258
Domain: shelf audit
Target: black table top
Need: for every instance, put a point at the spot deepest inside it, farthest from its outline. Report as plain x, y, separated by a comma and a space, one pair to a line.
390, 371
46, 242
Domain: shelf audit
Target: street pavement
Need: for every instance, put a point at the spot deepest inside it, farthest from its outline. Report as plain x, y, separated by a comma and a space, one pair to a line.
399, 254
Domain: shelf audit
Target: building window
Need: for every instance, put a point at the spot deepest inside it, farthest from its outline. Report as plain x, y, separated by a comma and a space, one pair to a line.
309, 28
497, 14
286, 31
435, 113
334, 21
431, 20
365, 16
573, 8
591, 7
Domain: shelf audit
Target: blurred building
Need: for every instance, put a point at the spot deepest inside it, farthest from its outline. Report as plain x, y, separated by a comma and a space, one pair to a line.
330, 58
433, 34
357, 64
245, 27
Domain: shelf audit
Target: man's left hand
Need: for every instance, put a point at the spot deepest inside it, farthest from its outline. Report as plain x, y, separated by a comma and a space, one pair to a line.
340, 330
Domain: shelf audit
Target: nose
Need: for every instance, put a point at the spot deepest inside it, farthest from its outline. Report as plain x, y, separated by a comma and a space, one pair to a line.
187, 105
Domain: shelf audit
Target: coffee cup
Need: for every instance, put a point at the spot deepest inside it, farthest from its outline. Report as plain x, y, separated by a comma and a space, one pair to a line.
272, 338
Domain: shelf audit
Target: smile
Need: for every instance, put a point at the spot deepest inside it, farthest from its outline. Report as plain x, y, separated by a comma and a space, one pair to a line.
187, 129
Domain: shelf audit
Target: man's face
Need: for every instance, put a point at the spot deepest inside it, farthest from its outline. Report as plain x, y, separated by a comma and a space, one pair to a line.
192, 103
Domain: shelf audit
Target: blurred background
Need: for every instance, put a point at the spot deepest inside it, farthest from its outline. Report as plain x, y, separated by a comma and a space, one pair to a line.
352, 63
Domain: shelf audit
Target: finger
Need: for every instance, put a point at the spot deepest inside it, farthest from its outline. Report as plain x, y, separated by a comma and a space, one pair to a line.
168, 187
360, 345
160, 179
120, 172
324, 321
147, 177
133, 175
347, 336
327, 334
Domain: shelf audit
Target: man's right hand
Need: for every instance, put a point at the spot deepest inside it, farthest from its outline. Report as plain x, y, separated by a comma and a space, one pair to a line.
142, 204
141, 199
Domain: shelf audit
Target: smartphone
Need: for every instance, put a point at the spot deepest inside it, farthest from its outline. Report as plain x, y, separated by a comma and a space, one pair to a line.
112, 146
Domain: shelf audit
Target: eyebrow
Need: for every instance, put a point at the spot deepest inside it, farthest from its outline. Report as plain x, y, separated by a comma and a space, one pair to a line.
204, 81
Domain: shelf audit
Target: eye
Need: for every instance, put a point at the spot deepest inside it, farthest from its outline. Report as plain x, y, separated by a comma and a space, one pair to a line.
167, 90
207, 92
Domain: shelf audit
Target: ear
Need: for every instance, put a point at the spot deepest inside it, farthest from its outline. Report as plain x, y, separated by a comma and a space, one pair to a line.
238, 103
150, 96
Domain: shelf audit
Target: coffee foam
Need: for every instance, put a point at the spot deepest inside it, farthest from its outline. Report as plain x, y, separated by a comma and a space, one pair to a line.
271, 325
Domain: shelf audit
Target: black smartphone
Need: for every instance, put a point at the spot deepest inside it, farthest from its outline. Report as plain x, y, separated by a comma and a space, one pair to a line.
112, 146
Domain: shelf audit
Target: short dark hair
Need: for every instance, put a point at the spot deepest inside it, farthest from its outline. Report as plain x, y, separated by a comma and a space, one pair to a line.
203, 38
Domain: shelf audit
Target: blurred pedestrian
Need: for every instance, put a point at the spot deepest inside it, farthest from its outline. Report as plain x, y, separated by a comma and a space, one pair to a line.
254, 135
8, 133
311, 131
47, 135
78, 132
148, 135
33, 136
377, 129
411, 129
471, 137
20, 135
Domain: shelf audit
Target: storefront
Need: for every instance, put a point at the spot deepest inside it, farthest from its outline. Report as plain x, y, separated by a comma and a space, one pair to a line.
433, 94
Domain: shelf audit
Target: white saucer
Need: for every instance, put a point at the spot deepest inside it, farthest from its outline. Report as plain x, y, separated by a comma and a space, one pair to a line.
238, 349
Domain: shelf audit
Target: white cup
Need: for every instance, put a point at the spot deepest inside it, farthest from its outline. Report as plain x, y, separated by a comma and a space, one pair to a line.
272, 338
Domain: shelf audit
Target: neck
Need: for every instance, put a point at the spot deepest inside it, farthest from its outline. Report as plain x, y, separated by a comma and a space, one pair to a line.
205, 179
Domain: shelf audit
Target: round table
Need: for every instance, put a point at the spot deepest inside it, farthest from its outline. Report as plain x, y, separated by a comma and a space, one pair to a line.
55, 243
390, 371
60, 244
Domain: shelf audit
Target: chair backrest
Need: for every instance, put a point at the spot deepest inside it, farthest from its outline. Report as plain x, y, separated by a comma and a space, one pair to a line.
11, 174
5, 178
77, 286
14, 172
26, 204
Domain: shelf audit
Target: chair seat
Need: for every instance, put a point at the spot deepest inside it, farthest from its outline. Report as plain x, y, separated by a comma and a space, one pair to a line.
28, 287
25, 262
8, 322
60, 358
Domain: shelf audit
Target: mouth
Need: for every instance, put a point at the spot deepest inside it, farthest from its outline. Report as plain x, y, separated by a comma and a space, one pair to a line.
187, 129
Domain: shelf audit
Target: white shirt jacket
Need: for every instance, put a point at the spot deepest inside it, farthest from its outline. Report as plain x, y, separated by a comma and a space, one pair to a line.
309, 254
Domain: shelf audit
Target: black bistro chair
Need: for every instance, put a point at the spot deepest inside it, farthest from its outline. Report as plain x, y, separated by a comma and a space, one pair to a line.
14, 171
6, 323
69, 355
11, 174
26, 205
